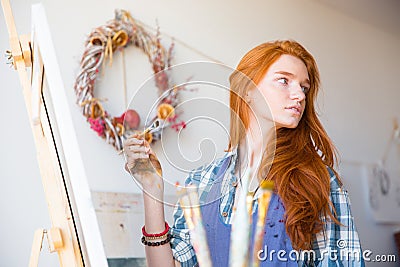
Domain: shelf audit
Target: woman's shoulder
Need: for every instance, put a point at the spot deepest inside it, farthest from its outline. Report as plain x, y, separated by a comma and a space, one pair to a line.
338, 192
335, 182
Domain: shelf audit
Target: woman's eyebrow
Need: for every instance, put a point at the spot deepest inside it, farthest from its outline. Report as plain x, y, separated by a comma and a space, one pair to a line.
291, 75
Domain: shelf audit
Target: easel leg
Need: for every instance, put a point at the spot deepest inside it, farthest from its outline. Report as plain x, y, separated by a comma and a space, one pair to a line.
36, 247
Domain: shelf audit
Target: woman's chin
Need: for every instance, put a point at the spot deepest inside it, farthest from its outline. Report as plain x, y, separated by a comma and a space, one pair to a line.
286, 124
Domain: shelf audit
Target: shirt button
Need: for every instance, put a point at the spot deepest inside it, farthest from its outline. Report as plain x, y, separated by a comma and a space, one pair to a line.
224, 214
234, 184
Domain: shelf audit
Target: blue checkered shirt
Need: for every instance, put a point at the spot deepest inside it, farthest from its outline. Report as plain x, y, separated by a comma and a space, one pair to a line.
334, 245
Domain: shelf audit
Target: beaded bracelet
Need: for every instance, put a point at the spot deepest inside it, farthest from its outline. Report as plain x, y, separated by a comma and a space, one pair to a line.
150, 238
158, 243
156, 235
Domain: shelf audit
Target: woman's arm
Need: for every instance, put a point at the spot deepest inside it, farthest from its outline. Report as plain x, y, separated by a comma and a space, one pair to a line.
138, 153
154, 221
180, 245
339, 245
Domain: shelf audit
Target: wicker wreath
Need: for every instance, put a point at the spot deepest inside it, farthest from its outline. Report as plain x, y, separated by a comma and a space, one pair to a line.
100, 45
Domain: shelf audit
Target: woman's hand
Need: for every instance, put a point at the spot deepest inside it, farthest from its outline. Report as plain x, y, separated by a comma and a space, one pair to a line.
142, 163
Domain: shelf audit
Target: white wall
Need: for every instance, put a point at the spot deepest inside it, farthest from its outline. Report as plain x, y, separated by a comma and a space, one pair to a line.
358, 64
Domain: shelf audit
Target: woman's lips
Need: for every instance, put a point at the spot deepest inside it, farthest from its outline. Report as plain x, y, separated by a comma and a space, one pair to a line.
294, 110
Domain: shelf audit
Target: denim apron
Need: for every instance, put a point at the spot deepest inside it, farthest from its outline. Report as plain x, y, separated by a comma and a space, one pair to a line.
218, 233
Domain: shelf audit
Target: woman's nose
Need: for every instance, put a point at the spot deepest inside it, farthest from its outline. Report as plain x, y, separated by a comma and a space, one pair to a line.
297, 93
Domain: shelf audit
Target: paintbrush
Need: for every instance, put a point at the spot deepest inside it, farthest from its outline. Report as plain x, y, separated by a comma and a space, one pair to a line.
263, 203
189, 200
241, 222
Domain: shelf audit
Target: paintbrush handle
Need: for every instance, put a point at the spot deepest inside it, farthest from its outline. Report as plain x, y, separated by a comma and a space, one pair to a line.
260, 226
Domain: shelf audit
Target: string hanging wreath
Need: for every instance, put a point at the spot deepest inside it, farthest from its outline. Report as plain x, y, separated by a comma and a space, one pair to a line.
102, 42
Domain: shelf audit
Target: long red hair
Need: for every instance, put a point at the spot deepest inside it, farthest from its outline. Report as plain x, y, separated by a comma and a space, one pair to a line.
301, 177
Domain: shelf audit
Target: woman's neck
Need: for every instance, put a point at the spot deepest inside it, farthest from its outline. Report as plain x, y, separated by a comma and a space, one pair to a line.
254, 144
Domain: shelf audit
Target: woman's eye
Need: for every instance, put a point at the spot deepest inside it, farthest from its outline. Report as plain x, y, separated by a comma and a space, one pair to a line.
283, 81
305, 89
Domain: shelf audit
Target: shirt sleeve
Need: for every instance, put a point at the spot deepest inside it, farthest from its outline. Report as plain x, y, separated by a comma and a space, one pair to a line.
338, 245
182, 249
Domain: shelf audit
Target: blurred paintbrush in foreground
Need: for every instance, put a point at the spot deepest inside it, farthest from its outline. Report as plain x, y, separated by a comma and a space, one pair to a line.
263, 203
189, 201
241, 222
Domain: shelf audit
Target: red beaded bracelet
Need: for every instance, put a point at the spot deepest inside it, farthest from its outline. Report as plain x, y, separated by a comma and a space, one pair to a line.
156, 235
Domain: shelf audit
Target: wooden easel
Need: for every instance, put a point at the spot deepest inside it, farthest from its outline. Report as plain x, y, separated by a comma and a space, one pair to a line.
62, 237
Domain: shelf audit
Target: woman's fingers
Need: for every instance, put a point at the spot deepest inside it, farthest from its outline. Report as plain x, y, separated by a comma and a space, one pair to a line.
137, 149
134, 141
138, 155
135, 145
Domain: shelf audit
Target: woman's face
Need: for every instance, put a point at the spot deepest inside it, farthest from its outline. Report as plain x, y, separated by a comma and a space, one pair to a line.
284, 89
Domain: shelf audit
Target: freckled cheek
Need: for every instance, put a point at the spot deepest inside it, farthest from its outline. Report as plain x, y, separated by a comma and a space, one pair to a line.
275, 95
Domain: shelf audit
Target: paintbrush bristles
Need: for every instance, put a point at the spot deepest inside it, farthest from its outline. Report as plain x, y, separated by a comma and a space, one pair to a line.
267, 185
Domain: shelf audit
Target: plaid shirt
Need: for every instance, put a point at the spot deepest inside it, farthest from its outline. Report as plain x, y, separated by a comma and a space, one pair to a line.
335, 245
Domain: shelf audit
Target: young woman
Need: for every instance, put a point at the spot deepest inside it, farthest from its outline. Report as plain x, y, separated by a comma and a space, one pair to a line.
273, 118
